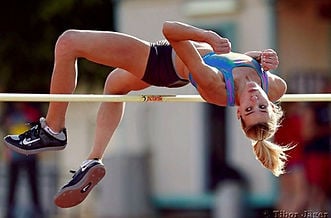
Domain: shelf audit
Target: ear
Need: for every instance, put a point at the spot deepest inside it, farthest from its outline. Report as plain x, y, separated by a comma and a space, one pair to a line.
238, 113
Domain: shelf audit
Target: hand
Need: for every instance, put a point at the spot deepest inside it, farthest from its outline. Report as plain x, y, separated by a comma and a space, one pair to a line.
219, 44
269, 60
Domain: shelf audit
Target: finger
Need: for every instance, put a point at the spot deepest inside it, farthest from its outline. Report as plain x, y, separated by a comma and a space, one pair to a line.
222, 49
268, 51
269, 58
270, 62
269, 66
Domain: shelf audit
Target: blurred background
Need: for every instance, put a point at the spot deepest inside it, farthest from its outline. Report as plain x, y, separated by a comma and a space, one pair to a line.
170, 159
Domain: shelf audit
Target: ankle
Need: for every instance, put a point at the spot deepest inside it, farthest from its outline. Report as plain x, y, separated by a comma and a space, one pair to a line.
94, 157
53, 129
54, 126
50, 130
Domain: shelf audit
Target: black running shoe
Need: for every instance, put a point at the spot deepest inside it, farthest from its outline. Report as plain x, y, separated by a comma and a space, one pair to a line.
82, 182
37, 139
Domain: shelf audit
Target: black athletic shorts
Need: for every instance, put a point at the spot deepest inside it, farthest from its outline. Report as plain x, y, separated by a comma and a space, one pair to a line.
160, 69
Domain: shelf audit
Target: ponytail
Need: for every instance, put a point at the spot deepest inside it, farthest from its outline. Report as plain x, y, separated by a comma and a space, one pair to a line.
271, 156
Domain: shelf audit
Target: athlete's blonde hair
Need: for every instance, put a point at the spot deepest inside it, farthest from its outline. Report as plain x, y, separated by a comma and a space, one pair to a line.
270, 155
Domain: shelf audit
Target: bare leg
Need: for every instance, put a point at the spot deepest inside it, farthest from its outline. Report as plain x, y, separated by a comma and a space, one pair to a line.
107, 48
110, 114
91, 171
64, 79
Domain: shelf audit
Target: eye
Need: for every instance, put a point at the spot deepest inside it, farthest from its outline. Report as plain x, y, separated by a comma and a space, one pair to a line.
262, 106
248, 109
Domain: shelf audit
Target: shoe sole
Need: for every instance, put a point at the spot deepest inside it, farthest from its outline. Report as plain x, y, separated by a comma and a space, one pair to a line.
35, 151
74, 195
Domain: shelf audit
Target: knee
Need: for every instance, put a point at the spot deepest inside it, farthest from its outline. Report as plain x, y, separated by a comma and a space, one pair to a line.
65, 44
114, 84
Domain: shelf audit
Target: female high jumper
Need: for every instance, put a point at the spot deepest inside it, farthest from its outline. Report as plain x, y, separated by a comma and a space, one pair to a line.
188, 55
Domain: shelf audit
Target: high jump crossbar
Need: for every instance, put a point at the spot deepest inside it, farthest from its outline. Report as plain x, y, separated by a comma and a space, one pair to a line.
24, 97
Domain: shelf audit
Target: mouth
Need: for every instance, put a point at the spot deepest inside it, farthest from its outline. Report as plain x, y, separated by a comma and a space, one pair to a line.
251, 84
252, 87
252, 90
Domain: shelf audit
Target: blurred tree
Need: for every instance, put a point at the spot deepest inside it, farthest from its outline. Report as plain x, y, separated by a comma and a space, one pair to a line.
28, 33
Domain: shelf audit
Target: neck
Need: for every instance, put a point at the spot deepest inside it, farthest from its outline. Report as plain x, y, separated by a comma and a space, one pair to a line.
239, 87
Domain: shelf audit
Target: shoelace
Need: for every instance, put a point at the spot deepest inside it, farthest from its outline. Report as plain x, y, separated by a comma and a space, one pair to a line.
33, 131
73, 172
76, 171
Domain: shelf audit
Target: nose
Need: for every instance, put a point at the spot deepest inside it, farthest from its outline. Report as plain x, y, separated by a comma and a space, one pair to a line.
254, 98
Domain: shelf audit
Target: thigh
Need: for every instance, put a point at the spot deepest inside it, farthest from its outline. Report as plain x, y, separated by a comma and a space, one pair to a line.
110, 48
120, 81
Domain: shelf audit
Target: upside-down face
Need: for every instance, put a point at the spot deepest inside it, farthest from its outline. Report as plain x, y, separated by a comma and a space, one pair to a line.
254, 105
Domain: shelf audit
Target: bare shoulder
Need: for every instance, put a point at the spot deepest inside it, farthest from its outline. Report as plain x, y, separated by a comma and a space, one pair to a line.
277, 87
